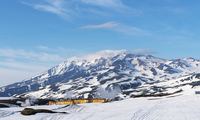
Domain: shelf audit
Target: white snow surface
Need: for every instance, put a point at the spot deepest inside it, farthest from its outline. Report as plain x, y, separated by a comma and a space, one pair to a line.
174, 107
7, 98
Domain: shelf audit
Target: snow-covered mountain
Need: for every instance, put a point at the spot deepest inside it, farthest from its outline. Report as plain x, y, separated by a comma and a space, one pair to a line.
110, 73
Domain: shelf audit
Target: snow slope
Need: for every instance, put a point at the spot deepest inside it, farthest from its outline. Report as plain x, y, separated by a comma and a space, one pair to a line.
179, 107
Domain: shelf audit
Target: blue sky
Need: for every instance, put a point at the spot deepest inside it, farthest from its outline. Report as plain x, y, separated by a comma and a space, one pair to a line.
36, 35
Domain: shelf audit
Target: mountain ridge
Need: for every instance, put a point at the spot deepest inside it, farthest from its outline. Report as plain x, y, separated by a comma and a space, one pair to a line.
108, 70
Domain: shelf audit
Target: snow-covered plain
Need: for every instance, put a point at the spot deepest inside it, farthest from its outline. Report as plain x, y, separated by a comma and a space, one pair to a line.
174, 107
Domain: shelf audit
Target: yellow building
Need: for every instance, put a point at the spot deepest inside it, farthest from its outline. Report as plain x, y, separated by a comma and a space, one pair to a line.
76, 101
97, 100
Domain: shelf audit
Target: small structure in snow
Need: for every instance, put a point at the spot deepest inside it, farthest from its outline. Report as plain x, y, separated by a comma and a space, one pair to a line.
76, 101
197, 92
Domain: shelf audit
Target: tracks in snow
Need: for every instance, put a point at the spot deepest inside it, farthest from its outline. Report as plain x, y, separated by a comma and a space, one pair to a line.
135, 115
71, 109
6, 113
150, 114
53, 117
89, 116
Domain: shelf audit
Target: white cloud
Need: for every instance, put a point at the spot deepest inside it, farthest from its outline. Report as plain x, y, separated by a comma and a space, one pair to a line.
28, 66
105, 3
130, 30
53, 6
114, 5
9, 76
53, 9
21, 53
105, 25
77, 8
19, 64
120, 28
43, 47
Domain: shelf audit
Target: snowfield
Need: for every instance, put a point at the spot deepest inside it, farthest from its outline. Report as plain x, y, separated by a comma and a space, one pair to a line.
174, 107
